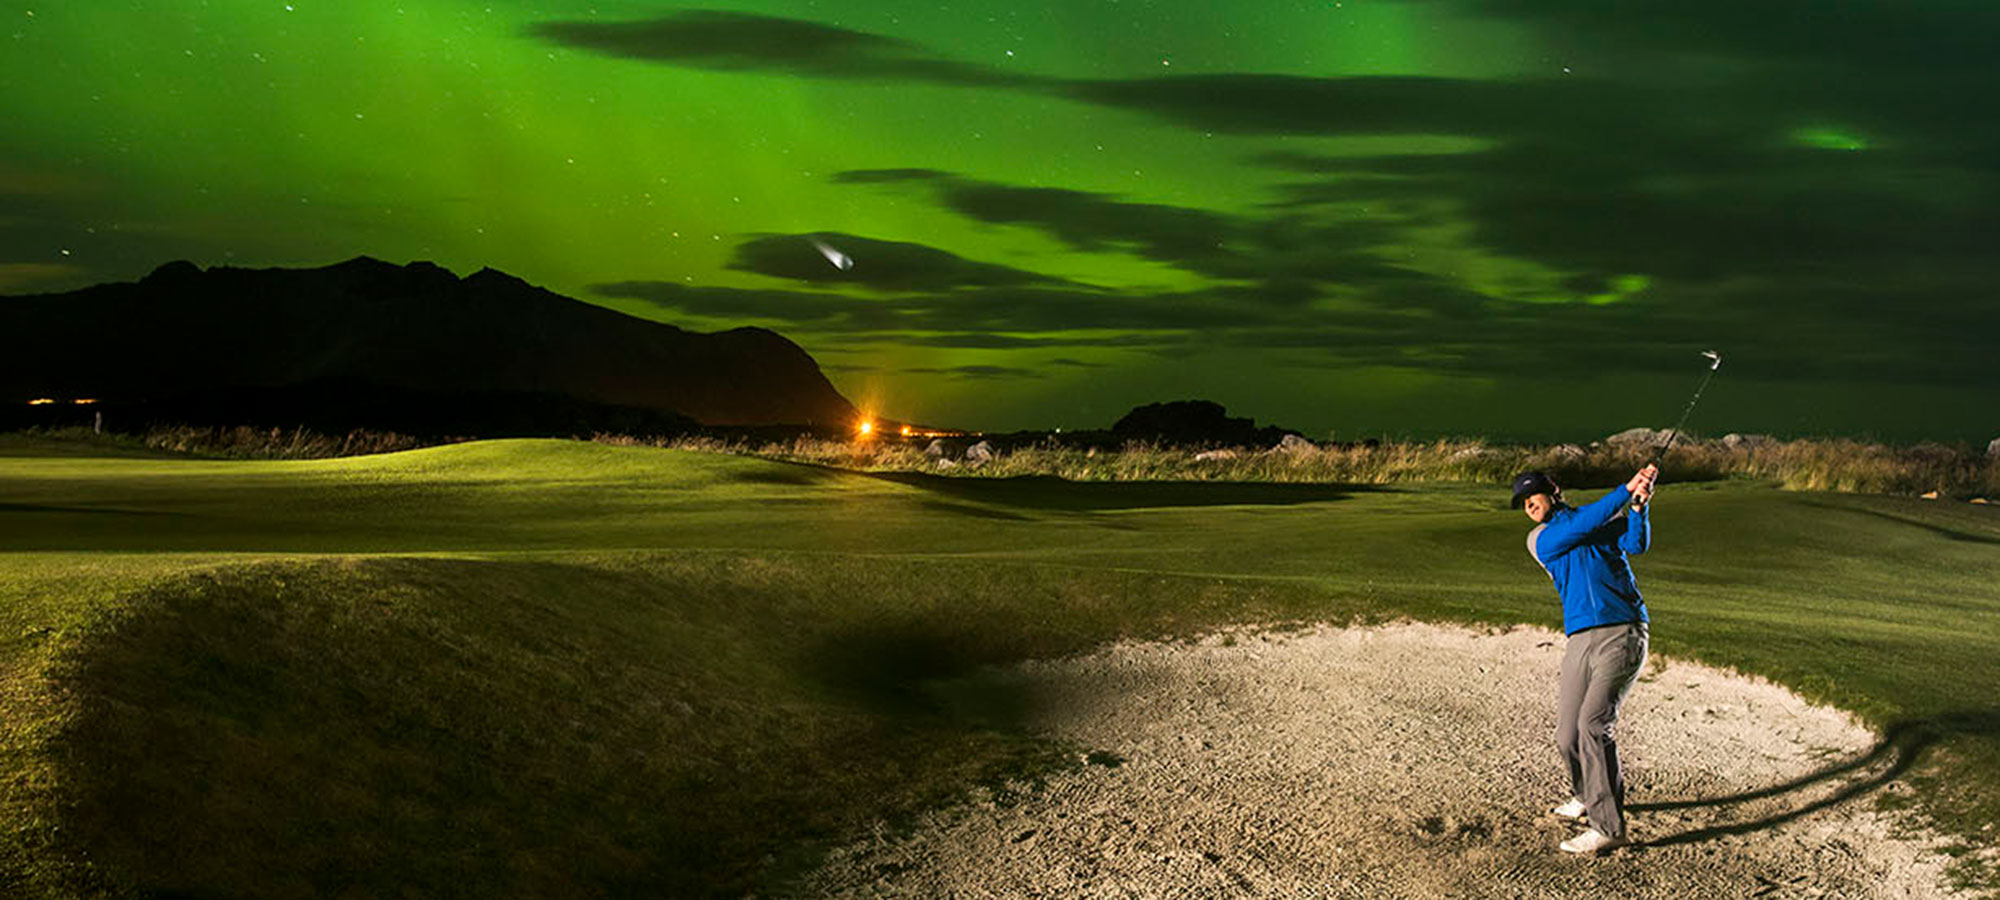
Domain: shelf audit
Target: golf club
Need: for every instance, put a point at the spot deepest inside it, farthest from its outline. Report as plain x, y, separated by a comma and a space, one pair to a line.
1660, 452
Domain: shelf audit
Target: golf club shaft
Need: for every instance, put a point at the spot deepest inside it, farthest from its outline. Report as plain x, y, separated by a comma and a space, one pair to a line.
1674, 433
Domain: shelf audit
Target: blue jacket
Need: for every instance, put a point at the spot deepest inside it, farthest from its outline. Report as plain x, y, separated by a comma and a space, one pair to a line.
1583, 550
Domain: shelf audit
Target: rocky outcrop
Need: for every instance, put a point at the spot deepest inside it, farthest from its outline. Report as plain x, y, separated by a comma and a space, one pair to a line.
1193, 422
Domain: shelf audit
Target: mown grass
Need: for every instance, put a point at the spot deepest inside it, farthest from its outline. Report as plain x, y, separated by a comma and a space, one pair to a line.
538, 668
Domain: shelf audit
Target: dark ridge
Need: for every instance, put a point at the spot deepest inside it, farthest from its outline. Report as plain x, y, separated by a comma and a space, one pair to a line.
369, 344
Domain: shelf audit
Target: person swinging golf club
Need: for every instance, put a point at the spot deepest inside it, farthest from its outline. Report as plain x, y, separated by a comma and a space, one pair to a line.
1584, 552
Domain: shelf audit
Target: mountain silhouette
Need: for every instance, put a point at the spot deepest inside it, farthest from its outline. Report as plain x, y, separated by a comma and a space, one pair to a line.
366, 343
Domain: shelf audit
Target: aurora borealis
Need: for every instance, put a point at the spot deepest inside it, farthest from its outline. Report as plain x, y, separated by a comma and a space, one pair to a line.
1519, 218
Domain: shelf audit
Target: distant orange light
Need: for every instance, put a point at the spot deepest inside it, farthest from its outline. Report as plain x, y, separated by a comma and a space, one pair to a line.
906, 431
866, 428
40, 401
81, 401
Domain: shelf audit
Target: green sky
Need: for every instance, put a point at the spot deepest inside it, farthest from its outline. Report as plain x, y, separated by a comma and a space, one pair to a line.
1420, 217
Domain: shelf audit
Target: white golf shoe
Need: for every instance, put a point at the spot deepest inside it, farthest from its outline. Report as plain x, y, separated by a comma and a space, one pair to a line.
1592, 841
1574, 809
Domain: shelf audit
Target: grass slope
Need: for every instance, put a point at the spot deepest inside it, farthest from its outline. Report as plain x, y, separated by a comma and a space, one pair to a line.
537, 668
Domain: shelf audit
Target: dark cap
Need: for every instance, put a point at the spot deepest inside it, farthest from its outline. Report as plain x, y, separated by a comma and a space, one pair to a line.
1528, 484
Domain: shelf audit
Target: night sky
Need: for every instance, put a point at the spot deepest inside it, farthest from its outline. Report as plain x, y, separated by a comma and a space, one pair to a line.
1515, 218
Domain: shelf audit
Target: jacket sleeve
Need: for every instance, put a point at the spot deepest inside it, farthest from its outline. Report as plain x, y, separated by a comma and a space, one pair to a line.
1638, 531
1565, 534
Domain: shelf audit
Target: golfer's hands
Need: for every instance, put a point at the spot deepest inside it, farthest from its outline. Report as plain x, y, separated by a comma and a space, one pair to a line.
1641, 485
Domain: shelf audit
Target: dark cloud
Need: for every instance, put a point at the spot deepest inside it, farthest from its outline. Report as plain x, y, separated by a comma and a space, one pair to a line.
1297, 105
1693, 214
887, 176
40, 219
982, 340
1903, 68
1197, 240
731, 41
995, 310
36, 277
1074, 363
1704, 177
1936, 56
1437, 331
1790, 327
980, 372
1872, 37
1808, 188
1193, 239
1242, 103
882, 265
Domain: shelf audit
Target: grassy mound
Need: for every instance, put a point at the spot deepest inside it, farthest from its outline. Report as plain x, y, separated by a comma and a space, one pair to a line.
660, 726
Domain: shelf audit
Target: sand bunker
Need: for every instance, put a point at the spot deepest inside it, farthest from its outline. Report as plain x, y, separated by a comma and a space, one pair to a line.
1403, 761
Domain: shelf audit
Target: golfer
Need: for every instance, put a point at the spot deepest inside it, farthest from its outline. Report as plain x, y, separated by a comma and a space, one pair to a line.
1584, 551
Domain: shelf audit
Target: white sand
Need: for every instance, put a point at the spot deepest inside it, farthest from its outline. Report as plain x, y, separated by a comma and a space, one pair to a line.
1403, 761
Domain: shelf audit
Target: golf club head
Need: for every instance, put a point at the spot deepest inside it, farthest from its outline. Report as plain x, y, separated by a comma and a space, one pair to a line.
1715, 359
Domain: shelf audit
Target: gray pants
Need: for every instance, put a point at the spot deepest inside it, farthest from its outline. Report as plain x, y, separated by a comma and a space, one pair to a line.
1598, 668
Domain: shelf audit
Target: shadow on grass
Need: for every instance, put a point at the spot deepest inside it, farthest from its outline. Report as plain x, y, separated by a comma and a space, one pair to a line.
971, 511
433, 727
917, 672
784, 473
1942, 531
1903, 743
1047, 492
82, 510
1056, 494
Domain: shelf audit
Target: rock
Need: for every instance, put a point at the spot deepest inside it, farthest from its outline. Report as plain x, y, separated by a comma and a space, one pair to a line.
1993, 449
1468, 453
938, 449
1293, 443
179, 271
946, 464
1641, 435
1208, 455
1736, 441
1568, 452
979, 453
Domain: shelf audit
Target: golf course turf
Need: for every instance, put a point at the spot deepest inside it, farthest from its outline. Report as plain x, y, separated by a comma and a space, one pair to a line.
549, 668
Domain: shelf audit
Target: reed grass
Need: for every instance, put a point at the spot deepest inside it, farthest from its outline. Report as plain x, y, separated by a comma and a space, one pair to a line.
1810, 464
1844, 465
239, 442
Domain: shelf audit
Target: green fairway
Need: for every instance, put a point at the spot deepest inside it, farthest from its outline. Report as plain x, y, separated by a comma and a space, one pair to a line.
548, 668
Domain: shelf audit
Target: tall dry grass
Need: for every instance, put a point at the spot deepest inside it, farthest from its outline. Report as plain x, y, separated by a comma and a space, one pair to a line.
243, 442
1807, 464
1826, 464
